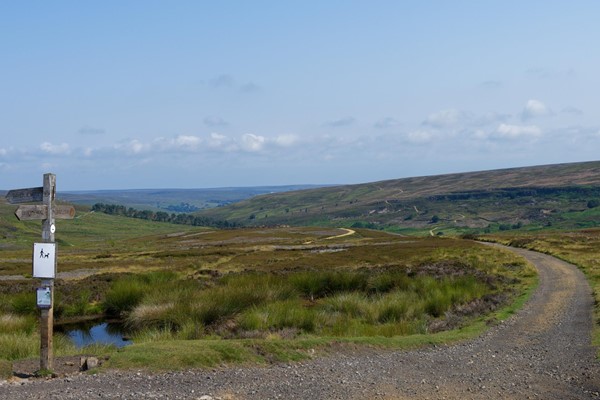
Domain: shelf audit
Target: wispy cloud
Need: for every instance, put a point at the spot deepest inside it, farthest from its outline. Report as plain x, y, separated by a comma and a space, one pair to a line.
572, 111
550, 73
88, 130
491, 84
221, 81
215, 122
420, 137
227, 81
249, 88
446, 119
386, 123
342, 122
55, 149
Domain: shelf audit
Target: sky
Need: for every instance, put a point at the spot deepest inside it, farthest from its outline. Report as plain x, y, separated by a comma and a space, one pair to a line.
198, 94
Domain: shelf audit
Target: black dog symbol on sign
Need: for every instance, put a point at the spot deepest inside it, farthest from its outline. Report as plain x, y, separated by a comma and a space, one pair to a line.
44, 255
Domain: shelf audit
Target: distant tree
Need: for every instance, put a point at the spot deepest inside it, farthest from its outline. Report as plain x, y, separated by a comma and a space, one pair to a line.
161, 216
435, 219
593, 203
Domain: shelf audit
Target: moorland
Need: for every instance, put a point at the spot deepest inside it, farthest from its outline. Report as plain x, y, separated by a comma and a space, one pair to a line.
308, 270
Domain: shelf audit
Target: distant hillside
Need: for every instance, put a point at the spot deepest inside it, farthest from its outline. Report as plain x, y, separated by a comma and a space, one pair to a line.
561, 196
173, 200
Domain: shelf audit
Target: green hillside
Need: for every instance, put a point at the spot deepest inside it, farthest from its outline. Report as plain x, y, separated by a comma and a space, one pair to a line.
560, 196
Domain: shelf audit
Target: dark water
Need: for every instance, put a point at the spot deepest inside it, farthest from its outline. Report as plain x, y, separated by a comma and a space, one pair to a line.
96, 332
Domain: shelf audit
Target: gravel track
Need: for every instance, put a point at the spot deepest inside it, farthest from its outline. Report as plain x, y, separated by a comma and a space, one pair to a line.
543, 352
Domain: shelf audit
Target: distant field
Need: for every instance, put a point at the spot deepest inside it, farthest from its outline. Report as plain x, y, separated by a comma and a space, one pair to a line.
174, 200
563, 196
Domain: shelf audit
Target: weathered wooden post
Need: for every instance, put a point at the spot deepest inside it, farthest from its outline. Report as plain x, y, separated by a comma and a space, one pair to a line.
47, 314
44, 254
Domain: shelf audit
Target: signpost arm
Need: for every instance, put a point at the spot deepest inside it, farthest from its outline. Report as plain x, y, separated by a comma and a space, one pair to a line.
47, 315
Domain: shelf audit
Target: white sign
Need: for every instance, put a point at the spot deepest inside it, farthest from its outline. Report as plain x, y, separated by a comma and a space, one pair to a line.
44, 297
44, 260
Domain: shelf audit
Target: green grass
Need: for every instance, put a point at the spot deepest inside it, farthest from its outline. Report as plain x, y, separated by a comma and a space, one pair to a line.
345, 302
163, 352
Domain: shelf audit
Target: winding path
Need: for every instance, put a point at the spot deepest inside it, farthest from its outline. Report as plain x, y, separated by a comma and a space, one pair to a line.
543, 352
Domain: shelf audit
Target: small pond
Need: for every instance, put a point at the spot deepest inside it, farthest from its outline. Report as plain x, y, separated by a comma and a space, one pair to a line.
96, 332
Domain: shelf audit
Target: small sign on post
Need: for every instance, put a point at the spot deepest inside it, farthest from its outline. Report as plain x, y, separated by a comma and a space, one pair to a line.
44, 297
44, 260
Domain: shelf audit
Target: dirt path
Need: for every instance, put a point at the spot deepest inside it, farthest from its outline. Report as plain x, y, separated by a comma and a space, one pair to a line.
543, 352
347, 232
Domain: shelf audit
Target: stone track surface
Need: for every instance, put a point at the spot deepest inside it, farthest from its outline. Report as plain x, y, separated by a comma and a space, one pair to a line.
543, 352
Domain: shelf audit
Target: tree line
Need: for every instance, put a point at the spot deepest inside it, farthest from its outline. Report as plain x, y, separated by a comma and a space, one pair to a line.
161, 216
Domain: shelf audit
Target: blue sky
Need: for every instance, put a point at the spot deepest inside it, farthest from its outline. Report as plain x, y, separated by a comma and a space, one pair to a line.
191, 94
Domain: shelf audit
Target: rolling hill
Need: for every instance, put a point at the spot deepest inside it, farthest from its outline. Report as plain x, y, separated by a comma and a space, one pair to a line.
559, 196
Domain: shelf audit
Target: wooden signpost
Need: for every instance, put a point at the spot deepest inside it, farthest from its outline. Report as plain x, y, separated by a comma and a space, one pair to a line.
44, 255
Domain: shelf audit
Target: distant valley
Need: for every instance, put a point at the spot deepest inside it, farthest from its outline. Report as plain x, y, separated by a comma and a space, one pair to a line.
560, 196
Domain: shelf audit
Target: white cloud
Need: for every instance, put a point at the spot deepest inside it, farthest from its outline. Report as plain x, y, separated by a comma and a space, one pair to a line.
216, 140
286, 140
535, 108
3, 152
133, 147
187, 141
516, 131
253, 143
55, 149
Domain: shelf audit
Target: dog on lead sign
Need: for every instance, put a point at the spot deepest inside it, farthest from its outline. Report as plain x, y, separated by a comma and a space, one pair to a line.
44, 260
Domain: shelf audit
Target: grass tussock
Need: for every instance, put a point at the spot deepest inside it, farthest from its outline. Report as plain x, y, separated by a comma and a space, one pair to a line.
6, 369
343, 303
11, 323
